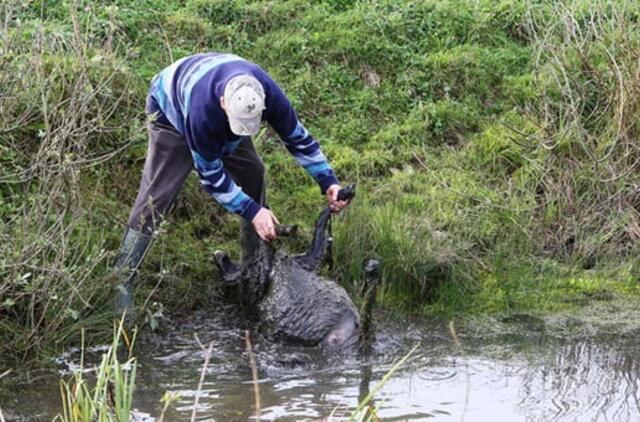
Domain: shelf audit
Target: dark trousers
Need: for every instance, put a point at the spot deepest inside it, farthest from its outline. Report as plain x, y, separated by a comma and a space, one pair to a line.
168, 164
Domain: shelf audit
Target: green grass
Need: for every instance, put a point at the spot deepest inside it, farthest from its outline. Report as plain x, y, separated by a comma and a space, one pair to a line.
492, 144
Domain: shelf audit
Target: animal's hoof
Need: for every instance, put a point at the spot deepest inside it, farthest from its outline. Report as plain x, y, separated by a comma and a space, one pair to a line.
230, 271
347, 193
372, 267
220, 255
286, 229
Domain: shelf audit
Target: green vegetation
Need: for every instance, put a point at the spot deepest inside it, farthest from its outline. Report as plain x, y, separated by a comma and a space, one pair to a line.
493, 143
110, 397
366, 410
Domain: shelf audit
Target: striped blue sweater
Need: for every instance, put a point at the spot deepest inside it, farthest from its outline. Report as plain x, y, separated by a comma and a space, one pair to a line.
187, 94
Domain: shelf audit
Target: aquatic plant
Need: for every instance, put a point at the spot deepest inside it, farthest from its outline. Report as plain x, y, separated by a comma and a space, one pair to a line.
366, 410
109, 396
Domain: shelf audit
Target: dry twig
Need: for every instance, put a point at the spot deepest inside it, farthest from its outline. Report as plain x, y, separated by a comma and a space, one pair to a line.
254, 372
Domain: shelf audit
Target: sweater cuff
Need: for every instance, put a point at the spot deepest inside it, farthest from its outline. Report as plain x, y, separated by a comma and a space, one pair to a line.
327, 181
250, 211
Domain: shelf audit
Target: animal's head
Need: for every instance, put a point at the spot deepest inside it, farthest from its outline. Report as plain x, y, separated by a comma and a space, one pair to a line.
351, 328
344, 334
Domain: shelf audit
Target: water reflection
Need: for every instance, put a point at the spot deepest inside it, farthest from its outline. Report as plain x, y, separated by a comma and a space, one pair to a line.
528, 378
586, 380
522, 377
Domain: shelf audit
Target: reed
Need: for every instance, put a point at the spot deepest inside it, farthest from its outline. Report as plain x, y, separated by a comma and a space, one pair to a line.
366, 411
106, 395
207, 355
254, 373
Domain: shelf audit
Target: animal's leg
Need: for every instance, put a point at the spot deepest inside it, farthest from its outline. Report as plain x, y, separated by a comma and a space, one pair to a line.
230, 270
255, 276
249, 242
370, 287
313, 258
320, 243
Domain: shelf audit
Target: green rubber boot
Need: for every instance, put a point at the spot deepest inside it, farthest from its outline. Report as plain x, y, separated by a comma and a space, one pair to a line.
132, 252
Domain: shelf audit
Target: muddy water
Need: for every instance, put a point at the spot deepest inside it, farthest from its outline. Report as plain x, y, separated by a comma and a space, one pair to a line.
511, 370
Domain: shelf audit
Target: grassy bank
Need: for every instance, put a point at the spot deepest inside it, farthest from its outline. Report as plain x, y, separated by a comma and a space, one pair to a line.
494, 145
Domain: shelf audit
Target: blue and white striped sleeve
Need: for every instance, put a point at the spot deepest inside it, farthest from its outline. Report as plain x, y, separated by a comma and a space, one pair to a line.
298, 141
307, 153
217, 182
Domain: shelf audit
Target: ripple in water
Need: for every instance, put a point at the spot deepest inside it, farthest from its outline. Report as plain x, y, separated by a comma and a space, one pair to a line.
527, 377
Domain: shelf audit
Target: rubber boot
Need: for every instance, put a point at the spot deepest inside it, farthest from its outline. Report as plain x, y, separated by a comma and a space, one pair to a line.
132, 252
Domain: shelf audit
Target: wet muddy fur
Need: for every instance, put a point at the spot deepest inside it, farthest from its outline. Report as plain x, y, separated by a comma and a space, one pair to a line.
302, 307
290, 300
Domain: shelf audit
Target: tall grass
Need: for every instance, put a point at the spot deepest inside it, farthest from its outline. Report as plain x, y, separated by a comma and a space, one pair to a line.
550, 183
65, 111
586, 110
417, 258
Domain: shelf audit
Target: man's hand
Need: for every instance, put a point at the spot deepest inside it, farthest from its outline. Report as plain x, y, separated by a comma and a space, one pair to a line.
265, 224
332, 198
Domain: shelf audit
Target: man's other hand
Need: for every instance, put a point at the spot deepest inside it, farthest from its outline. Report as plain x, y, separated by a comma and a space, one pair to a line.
265, 224
332, 198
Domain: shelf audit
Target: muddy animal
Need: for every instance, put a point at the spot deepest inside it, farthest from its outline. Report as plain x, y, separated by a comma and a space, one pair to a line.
288, 297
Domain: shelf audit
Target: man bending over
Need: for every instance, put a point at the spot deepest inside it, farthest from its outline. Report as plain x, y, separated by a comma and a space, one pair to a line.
203, 111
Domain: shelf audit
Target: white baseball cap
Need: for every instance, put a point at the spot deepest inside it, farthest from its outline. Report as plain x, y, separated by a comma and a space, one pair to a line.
244, 103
